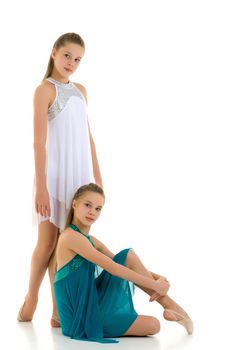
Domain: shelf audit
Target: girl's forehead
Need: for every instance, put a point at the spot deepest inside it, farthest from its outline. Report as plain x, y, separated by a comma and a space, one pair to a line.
93, 197
73, 48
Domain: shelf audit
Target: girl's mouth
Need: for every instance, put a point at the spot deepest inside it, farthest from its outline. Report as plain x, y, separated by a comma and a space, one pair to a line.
68, 70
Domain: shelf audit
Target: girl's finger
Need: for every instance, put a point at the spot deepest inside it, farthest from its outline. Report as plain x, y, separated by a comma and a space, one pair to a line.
37, 208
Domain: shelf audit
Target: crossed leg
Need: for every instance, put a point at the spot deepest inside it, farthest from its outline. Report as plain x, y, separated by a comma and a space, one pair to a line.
145, 325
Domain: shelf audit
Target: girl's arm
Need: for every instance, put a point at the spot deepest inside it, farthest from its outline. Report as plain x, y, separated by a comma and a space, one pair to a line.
102, 248
41, 102
96, 168
80, 245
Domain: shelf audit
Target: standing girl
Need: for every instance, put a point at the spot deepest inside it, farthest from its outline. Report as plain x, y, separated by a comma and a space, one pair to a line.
65, 159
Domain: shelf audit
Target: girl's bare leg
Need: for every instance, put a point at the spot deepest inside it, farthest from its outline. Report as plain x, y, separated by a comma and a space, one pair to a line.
143, 325
47, 239
134, 263
52, 268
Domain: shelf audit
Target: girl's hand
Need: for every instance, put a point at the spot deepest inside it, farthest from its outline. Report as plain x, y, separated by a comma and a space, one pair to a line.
42, 203
161, 286
154, 296
156, 276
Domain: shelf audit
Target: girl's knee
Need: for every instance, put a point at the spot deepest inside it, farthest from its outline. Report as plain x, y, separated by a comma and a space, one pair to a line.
130, 257
46, 248
143, 326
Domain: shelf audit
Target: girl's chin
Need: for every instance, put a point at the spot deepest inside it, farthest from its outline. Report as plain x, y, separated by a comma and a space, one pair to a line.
86, 223
89, 222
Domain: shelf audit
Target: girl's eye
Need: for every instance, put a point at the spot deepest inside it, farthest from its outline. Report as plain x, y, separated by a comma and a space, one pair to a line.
66, 55
88, 205
77, 60
98, 209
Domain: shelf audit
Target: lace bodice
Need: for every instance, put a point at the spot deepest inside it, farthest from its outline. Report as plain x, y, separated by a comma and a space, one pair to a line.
63, 92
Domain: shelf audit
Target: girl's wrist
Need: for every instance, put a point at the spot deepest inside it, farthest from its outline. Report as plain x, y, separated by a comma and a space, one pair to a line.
41, 186
99, 182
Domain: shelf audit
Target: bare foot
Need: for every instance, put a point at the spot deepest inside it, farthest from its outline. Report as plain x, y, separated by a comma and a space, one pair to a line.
55, 322
27, 310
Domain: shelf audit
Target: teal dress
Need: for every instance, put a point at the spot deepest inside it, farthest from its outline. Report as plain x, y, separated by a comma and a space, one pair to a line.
93, 304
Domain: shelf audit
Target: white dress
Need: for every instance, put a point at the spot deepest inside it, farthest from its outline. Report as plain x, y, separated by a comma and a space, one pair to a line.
68, 151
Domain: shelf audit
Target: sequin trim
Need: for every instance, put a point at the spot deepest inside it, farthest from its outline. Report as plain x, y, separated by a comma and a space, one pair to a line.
63, 93
70, 267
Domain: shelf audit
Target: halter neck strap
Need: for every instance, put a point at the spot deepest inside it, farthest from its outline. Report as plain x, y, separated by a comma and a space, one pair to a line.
75, 228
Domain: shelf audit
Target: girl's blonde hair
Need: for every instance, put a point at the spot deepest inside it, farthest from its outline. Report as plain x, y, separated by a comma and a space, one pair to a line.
91, 187
61, 42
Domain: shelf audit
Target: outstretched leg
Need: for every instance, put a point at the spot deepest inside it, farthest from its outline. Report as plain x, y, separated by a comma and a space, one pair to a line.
172, 311
47, 239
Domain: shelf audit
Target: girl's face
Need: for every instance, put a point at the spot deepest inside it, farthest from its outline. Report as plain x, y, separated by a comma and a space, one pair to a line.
66, 60
87, 208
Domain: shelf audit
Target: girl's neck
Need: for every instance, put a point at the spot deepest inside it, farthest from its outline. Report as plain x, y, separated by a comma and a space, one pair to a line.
58, 77
83, 228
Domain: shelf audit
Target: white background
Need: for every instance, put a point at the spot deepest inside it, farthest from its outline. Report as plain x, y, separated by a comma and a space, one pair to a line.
159, 81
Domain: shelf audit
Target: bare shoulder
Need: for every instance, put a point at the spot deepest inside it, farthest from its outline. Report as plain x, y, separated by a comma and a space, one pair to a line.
82, 89
45, 91
45, 86
70, 239
67, 236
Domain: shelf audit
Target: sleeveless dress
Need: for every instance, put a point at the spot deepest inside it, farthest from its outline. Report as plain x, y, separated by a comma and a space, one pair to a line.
68, 151
92, 304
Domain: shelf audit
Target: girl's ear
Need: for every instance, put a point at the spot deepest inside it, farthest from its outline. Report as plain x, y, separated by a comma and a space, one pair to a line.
74, 204
53, 53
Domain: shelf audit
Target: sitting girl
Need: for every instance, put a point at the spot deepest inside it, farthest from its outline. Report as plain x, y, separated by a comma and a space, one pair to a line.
94, 288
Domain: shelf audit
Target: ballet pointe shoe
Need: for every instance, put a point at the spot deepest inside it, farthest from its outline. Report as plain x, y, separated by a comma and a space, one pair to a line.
55, 322
186, 322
